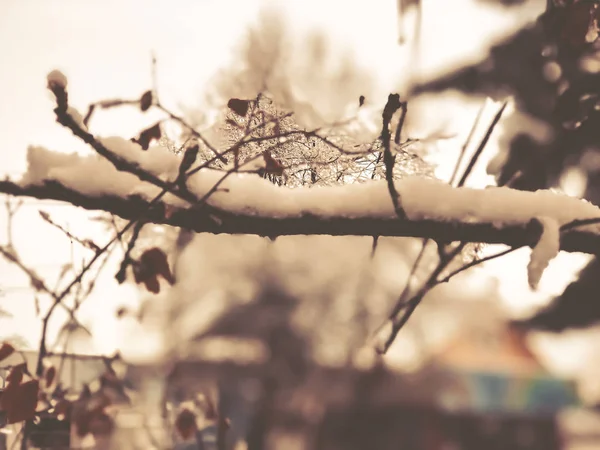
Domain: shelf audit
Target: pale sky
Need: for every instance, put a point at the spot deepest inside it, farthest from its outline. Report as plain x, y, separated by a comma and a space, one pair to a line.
104, 48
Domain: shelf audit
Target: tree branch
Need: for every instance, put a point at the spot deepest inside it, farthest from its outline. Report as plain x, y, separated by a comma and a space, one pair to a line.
307, 221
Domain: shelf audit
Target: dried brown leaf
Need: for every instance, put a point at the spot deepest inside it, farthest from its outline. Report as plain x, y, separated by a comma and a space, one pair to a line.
49, 376
238, 106
7, 398
148, 135
6, 350
155, 261
15, 376
146, 101
23, 402
46, 216
152, 284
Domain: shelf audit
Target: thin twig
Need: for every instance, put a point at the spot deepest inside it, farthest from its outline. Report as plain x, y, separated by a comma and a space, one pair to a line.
392, 105
579, 223
87, 243
64, 118
404, 309
404, 107
192, 130
120, 276
476, 262
463, 150
482, 145
408, 308
37, 283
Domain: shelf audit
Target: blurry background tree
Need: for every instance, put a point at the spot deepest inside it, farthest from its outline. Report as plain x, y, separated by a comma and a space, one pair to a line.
547, 68
551, 69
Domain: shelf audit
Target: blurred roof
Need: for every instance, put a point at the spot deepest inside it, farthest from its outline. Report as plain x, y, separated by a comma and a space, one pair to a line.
490, 347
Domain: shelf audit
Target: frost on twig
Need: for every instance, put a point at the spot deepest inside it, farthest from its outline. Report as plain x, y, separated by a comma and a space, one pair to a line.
544, 251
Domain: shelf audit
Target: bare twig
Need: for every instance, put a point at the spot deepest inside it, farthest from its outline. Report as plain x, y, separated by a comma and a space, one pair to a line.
482, 145
392, 105
87, 243
192, 130
404, 108
64, 118
404, 308
463, 150
120, 276
476, 262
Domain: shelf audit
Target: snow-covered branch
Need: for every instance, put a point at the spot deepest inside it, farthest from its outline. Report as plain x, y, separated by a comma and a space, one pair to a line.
248, 204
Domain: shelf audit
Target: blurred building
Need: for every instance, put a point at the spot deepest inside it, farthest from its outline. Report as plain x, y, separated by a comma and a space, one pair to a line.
493, 393
483, 389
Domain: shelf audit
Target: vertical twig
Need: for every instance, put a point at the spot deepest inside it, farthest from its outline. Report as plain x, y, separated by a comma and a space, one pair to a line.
120, 276
154, 79
482, 145
463, 150
400, 126
403, 309
392, 105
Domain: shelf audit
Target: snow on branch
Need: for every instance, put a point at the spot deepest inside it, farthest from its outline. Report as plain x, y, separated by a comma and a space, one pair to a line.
248, 204
151, 184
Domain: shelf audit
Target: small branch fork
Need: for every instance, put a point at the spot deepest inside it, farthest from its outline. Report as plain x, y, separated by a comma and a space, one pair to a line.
404, 308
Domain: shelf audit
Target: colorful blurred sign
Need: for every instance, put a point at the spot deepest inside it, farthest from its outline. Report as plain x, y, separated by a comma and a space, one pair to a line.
508, 393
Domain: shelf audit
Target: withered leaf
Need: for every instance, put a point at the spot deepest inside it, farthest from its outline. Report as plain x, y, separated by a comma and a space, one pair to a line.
7, 397
152, 284
189, 158
151, 264
156, 260
148, 135
49, 376
6, 350
23, 402
91, 245
146, 101
15, 376
143, 274
238, 106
